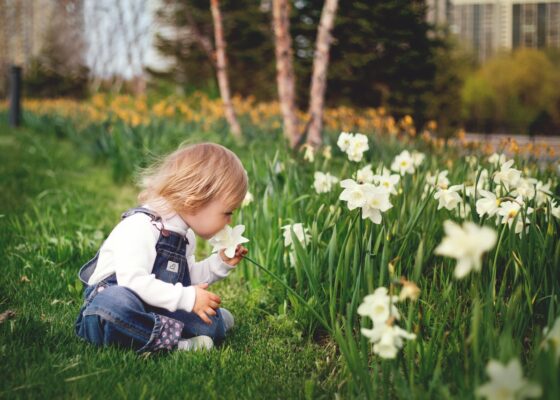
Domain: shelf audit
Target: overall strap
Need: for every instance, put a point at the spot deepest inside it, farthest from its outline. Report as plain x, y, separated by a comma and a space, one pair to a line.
155, 216
87, 269
167, 238
156, 221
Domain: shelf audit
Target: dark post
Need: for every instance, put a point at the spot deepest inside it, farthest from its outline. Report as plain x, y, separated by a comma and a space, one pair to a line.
15, 95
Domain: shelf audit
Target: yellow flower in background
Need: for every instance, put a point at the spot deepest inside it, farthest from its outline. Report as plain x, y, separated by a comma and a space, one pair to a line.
98, 100
409, 290
201, 110
407, 120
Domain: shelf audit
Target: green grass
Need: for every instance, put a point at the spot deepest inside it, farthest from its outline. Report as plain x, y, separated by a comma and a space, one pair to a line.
57, 205
67, 205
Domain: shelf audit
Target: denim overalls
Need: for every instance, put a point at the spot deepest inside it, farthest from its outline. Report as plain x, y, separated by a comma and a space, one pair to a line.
115, 315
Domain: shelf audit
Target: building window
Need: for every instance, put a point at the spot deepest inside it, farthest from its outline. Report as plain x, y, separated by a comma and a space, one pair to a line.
553, 25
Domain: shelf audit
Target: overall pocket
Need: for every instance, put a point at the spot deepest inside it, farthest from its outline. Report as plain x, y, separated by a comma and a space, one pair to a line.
169, 267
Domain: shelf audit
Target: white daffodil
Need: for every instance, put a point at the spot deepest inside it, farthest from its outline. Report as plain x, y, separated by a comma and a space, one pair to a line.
379, 306
355, 155
248, 199
365, 175
497, 159
488, 204
481, 183
417, 158
344, 140
301, 234
292, 258
228, 239
387, 180
520, 224
526, 188
327, 152
464, 210
377, 201
471, 160
309, 153
555, 209
353, 193
323, 183
439, 179
403, 163
552, 338
387, 339
449, 198
470, 190
358, 145
500, 191
507, 175
482, 176
510, 209
543, 193
507, 382
466, 244
354, 145
278, 167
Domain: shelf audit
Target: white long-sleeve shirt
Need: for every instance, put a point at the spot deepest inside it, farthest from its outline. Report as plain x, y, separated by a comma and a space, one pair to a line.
130, 252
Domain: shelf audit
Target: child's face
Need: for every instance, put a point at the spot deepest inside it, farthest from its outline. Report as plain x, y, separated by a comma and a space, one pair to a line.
210, 219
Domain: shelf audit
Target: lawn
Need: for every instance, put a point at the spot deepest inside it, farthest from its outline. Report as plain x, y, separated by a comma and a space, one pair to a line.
57, 206
388, 264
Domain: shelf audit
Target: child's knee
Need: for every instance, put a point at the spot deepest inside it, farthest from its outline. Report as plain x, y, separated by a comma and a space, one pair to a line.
117, 301
217, 330
109, 317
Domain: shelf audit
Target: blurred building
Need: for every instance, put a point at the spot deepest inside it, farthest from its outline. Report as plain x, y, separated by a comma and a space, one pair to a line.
487, 26
437, 11
26, 26
32, 29
113, 38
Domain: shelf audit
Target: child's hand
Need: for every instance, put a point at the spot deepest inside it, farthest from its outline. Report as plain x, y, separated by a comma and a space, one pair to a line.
240, 252
206, 303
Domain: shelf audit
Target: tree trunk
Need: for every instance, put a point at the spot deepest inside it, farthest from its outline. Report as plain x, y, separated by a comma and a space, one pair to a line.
285, 70
319, 76
221, 69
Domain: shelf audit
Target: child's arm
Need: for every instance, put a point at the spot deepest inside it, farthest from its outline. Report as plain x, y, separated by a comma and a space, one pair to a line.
209, 270
213, 268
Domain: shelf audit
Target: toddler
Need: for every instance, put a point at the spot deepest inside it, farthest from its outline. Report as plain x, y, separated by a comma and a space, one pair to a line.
144, 290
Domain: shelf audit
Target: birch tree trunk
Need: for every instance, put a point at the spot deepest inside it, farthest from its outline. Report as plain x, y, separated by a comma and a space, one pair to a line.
285, 70
221, 69
319, 76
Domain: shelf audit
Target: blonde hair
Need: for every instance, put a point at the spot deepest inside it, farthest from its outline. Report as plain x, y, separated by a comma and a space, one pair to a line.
193, 176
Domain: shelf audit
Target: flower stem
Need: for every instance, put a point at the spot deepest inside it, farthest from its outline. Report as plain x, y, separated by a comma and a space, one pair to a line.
292, 291
494, 272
